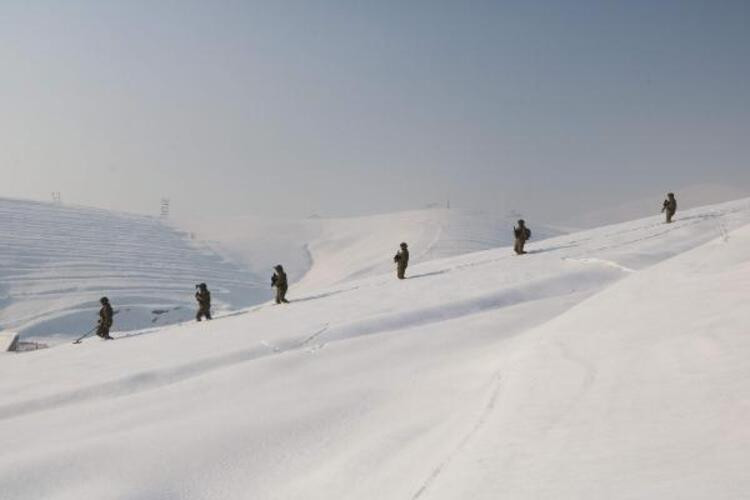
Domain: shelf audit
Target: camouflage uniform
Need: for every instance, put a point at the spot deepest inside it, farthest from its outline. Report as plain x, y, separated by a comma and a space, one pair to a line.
669, 207
402, 261
105, 319
203, 296
521, 233
280, 282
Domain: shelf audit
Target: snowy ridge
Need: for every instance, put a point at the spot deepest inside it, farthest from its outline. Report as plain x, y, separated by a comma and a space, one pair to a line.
609, 363
57, 261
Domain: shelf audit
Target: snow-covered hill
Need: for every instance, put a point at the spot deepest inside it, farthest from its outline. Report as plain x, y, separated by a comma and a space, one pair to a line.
326, 251
610, 363
56, 262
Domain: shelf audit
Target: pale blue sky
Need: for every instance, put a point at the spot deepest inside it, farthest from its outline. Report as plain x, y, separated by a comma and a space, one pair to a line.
358, 107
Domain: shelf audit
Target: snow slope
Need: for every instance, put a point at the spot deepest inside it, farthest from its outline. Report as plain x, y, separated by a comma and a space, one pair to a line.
325, 251
687, 197
56, 262
610, 363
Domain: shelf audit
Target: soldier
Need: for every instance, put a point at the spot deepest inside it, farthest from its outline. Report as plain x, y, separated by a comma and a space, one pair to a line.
203, 296
522, 233
279, 281
669, 206
105, 319
402, 261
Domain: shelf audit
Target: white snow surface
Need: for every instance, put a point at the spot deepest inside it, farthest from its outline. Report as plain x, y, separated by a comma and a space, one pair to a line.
611, 363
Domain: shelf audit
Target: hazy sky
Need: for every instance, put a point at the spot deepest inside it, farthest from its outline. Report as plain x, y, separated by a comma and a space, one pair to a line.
351, 107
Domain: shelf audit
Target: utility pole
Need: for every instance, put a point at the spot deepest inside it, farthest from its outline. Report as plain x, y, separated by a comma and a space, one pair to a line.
164, 208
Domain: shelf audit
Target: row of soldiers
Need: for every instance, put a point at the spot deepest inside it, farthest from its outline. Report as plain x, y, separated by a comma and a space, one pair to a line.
203, 296
521, 235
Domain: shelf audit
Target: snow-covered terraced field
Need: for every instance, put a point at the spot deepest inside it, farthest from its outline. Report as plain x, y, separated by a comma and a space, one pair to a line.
56, 262
610, 363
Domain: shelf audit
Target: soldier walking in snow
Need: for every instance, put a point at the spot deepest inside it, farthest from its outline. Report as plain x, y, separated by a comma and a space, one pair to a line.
670, 207
402, 261
105, 319
203, 296
279, 281
522, 233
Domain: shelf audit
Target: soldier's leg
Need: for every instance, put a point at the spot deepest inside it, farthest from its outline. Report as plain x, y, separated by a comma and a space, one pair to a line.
283, 295
103, 332
278, 295
401, 272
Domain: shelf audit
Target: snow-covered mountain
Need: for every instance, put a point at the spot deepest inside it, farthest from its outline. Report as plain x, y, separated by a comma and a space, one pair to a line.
56, 262
610, 363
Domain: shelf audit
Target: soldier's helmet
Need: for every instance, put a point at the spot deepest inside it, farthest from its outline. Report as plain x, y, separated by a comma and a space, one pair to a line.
403, 245
104, 300
671, 195
279, 268
521, 222
202, 286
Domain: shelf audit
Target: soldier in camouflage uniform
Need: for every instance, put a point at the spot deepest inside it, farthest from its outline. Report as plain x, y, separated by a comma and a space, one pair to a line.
203, 296
521, 233
402, 261
280, 282
105, 319
669, 207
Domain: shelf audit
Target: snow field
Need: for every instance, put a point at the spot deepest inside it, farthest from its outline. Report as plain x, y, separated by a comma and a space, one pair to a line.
604, 364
